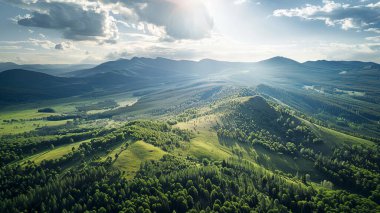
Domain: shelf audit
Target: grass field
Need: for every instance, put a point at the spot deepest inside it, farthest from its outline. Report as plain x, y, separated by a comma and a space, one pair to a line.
25, 118
333, 138
206, 143
337, 138
26, 126
138, 152
55, 153
23, 114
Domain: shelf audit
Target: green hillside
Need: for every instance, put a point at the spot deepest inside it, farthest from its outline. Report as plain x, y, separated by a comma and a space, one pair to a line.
130, 159
215, 148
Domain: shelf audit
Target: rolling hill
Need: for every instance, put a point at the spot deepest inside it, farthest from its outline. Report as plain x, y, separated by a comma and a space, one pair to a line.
20, 86
51, 69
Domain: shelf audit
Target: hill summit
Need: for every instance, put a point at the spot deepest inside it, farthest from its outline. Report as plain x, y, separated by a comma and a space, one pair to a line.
257, 109
256, 118
259, 104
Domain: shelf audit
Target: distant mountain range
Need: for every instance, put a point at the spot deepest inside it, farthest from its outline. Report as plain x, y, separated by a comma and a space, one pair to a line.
25, 83
138, 66
148, 67
51, 69
153, 68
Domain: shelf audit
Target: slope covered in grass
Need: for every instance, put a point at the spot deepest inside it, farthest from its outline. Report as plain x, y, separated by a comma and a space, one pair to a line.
55, 153
129, 160
205, 144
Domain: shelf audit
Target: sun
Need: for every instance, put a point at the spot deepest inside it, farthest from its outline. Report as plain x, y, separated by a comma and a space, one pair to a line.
192, 17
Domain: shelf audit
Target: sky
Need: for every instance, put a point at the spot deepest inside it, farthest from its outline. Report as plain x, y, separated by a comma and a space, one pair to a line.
94, 31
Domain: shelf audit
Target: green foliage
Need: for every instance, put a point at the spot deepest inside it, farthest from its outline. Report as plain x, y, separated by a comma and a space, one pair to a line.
178, 185
106, 104
159, 134
46, 110
256, 122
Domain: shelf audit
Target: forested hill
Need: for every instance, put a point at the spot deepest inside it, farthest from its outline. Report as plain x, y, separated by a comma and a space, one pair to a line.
25, 86
25, 78
255, 121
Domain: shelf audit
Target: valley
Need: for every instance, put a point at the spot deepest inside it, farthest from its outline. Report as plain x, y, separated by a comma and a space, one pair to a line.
191, 143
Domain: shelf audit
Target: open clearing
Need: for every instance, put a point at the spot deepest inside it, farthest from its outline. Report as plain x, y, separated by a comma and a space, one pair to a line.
338, 138
16, 127
54, 153
129, 160
206, 143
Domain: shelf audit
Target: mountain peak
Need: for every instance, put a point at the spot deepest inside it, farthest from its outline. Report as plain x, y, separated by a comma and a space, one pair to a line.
279, 60
257, 102
137, 58
208, 60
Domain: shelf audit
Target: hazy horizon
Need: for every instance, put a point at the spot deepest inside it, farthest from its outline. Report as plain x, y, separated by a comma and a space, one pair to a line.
193, 60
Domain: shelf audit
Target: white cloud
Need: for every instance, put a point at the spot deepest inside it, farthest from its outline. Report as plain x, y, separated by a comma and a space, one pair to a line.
30, 42
374, 30
373, 38
10, 47
77, 20
97, 19
188, 19
46, 44
374, 5
364, 16
347, 24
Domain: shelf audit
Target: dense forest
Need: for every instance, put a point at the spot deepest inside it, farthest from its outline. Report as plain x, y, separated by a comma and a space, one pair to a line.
173, 184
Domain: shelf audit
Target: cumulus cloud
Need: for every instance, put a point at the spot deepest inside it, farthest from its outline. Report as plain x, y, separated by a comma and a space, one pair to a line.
99, 19
63, 46
181, 19
363, 16
77, 20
